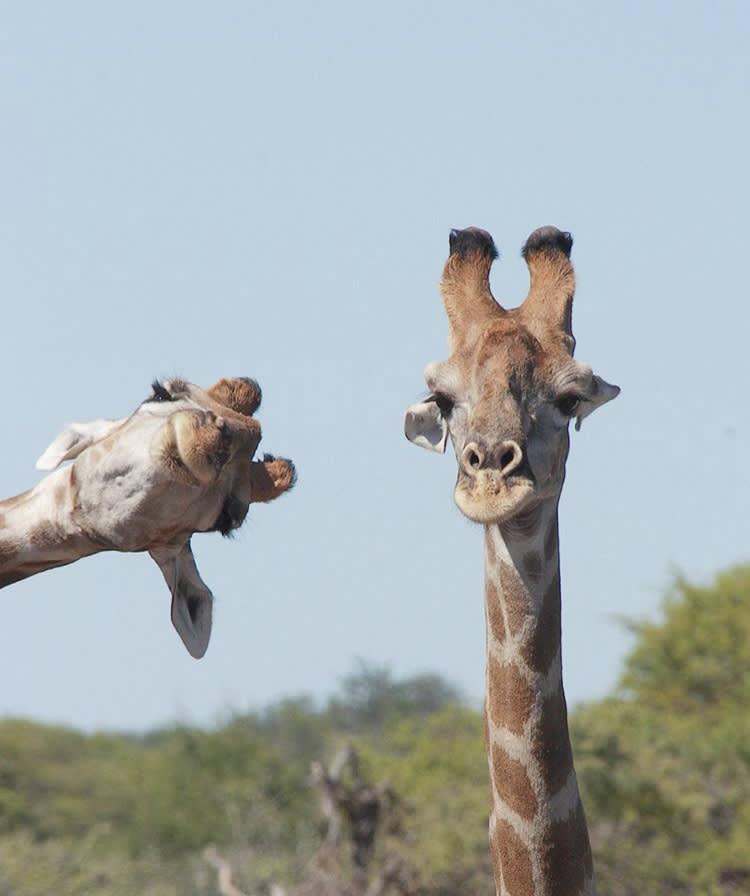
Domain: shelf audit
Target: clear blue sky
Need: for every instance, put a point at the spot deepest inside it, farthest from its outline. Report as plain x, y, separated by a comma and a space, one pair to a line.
267, 189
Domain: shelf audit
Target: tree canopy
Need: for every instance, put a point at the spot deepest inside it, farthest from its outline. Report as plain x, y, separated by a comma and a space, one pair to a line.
664, 765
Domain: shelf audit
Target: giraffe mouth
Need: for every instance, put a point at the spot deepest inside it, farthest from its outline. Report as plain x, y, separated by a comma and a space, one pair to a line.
488, 498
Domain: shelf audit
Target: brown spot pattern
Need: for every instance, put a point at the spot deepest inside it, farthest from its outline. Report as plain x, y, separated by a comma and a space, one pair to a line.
496, 857
512, 783
550, 543
510, 699
525, 524
42, 535
554, 743
544, 643
567, 858
494, 612
515, 860
74, 492
515, 597
490, 788
532, 563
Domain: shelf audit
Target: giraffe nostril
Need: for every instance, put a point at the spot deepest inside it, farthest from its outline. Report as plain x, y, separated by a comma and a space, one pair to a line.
511, 457
472, 458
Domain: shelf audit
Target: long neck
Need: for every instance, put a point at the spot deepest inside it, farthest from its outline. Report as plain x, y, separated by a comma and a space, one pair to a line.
538, 834
37, 529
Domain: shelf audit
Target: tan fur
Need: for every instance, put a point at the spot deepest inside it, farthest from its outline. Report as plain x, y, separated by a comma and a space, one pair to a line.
466, 292
240, 395
270, 478
547, 311
196, 447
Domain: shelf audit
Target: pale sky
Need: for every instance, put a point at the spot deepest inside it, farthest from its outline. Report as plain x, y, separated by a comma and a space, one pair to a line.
267, 189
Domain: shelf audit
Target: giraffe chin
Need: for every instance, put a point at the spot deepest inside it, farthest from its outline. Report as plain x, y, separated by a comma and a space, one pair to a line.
486, 506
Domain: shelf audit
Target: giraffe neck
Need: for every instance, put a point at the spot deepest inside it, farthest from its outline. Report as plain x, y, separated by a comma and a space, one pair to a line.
38, 531
538, 835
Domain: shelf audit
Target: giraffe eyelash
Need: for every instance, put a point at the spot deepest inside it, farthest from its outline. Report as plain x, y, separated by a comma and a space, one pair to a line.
160, 393
568, 404
444, 402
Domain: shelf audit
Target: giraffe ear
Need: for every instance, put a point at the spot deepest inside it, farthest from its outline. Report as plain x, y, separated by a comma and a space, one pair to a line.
424, 426
74, 438
192, 601
603, 392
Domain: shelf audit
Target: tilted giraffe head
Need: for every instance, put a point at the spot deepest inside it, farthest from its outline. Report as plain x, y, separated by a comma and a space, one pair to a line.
510, 387
181, 463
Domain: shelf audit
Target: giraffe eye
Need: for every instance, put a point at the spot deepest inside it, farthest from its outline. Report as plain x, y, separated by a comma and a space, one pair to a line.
444, 403
568, 404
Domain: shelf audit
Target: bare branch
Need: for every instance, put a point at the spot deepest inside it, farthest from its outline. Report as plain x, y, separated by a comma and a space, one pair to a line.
224, 875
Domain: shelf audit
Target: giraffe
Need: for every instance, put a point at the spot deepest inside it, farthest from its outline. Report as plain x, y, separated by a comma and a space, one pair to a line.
181, 463
505, 397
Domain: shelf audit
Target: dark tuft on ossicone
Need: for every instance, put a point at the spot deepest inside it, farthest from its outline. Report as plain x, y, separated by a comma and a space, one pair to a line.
548, 239
472, 240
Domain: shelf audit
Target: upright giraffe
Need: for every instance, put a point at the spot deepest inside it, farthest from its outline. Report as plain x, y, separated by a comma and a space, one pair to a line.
506, 396
181, 463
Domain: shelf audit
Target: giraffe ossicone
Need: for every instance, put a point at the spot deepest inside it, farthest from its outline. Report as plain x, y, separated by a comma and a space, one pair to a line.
181, 463
505, 398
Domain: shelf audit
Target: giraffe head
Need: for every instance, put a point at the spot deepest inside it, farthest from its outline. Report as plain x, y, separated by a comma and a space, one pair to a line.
181, 463
510, 387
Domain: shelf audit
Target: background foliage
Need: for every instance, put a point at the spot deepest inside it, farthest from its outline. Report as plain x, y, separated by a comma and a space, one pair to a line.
664, 765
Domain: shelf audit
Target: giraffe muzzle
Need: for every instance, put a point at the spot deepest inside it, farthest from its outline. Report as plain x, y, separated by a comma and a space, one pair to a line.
493, 487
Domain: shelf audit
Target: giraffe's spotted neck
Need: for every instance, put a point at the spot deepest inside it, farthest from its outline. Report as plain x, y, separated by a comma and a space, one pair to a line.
38, 529
538, 835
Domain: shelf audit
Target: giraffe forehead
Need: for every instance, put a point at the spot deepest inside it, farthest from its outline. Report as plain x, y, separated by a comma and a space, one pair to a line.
509, 359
